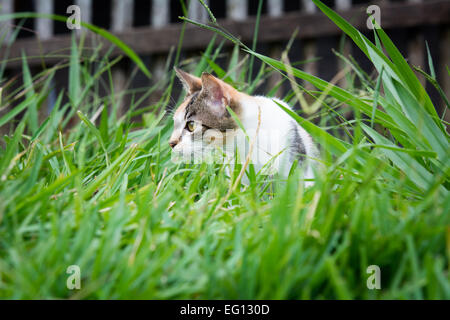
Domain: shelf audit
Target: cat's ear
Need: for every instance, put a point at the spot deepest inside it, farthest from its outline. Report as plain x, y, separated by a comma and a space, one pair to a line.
190, 83
218, 92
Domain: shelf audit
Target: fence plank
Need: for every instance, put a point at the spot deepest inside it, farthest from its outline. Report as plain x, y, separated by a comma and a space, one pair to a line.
122, 19
85, 9
237, 9
346, 49
197, 12
160, 13
343, 4
309, 6
44, 27
310, 52
309, 46
122, 15
160, 18
7, 7
416, 53
44, 30
416, 49
275, 9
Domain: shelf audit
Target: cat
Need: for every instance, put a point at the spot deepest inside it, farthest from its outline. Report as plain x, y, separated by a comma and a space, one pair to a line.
203, 124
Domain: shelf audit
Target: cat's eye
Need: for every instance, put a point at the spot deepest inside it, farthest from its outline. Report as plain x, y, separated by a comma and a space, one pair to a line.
190, 126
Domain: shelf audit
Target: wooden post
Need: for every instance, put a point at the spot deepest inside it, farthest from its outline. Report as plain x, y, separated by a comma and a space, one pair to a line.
309, 46
122, 15
44, 27
346, 49
343, 4
160, 17
275, 9
44, 30
85, 10
7, 7
416, 50
237, 9
197, 12
122, 19
160, 13
309, 6
416, 54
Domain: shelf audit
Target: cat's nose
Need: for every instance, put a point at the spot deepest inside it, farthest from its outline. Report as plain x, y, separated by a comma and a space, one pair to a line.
172, 144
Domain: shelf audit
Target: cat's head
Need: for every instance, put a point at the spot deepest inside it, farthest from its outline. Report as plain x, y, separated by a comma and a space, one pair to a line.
202, 119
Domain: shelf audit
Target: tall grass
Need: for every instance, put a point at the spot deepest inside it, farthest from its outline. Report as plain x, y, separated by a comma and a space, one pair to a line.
105, 195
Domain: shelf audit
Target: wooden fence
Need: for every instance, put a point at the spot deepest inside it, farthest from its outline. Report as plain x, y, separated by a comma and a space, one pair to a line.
151, 29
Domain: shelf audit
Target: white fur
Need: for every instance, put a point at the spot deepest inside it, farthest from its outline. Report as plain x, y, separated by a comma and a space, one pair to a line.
271, 147
273, 136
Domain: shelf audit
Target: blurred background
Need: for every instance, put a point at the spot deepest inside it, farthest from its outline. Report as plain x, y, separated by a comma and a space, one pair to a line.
152, 28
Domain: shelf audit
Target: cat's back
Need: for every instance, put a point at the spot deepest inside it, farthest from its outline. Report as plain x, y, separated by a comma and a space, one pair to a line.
276, 121
273, 117
279, 135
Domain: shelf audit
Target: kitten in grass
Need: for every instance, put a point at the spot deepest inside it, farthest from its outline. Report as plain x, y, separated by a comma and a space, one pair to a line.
204, 129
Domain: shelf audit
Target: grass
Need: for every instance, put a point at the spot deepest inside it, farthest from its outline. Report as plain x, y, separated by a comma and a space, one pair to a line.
105, 195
